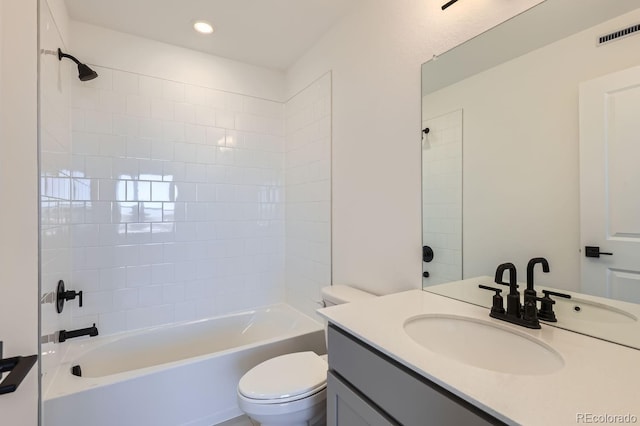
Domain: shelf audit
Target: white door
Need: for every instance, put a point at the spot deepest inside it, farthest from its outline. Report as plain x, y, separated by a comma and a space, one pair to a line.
610, 184
18, 206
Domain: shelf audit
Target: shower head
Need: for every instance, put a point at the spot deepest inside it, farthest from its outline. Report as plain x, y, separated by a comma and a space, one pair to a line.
84, 72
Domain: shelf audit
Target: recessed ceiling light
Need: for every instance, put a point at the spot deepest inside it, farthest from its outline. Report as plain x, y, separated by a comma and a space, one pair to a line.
203, 27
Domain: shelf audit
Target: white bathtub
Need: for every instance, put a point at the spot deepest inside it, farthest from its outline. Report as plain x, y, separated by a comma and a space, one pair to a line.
183, 374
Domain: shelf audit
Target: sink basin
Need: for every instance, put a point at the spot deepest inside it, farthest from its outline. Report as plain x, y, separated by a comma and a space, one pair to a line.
587, 311
483, 344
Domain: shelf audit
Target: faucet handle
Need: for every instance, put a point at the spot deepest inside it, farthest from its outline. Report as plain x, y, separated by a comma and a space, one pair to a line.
497, 306
548, 293
546, 305
506, 284
64, 295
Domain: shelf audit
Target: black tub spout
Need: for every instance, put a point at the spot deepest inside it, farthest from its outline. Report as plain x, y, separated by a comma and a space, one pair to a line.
89, 331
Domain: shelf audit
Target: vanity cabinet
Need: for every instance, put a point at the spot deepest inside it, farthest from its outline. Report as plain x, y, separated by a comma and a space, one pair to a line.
366, 387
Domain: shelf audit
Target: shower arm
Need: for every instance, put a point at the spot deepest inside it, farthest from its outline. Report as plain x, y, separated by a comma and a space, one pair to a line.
61, 55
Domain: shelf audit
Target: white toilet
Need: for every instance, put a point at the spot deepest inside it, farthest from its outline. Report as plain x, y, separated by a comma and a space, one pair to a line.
291, 389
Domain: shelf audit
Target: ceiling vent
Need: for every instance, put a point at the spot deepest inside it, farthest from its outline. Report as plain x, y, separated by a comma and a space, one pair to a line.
617, 35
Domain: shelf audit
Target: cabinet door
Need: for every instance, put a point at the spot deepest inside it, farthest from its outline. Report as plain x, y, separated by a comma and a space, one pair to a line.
346, 408
403, 395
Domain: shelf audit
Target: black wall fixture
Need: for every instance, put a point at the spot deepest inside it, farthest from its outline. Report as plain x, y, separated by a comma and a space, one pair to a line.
65, 296
84, 72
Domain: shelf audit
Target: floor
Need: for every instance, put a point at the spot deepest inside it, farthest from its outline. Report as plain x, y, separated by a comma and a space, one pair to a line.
239, 421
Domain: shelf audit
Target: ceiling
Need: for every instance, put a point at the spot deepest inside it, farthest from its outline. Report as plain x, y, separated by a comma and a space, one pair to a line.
267, 33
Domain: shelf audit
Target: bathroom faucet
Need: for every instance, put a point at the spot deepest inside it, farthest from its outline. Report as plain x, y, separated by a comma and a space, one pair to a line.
515, 313
532, 263
513, 298
530, 309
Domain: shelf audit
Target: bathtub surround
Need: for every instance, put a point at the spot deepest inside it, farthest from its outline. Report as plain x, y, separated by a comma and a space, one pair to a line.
178, 211
308, 195
56, 181
164, 199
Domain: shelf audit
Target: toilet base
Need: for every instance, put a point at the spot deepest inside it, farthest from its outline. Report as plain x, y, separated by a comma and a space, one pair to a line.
310, 411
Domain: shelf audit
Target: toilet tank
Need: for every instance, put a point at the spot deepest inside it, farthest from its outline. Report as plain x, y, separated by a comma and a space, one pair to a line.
339, 294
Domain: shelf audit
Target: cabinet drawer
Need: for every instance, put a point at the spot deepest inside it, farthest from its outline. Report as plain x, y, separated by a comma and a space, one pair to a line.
405, 396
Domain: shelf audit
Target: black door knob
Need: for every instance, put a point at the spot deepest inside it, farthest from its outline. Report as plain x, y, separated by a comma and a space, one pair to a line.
594, 251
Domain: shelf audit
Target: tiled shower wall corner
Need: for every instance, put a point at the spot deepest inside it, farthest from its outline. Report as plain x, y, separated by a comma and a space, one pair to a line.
442, 197
55, 183
177, 201
308, 189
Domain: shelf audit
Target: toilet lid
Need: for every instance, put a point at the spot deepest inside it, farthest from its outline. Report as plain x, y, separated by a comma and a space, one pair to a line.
285, 377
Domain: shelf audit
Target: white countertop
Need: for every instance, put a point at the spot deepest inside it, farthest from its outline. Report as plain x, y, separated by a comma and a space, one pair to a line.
598, 377
623, 332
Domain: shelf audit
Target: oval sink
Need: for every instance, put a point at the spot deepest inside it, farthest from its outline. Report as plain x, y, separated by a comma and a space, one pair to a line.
483, 344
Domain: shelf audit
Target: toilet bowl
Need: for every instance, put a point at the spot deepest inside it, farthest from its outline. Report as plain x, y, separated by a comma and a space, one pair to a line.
291, 389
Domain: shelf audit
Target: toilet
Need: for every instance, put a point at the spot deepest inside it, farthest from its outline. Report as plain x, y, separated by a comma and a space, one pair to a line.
291, 389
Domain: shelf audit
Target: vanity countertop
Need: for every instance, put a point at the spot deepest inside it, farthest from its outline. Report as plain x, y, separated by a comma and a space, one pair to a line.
623, 329
598, 378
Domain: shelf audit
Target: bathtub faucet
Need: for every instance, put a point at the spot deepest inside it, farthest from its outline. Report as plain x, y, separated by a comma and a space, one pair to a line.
89, 331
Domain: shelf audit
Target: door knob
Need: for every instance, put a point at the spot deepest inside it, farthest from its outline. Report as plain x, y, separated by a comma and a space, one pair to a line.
594, 251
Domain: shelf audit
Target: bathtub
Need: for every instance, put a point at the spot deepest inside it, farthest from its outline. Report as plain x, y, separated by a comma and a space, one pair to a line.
183, 374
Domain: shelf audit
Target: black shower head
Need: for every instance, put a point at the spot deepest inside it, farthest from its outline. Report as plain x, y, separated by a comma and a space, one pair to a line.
84, 72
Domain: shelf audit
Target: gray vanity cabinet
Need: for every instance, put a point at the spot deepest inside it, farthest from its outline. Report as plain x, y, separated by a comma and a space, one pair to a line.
347, 407
366, 387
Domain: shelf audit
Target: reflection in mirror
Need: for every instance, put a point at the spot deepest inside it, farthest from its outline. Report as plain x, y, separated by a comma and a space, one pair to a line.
549, 123
442, 198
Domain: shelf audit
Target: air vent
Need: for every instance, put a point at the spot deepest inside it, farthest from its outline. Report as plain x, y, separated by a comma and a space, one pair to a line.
617, 35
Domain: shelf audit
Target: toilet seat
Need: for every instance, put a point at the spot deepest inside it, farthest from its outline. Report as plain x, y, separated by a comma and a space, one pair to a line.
283, 379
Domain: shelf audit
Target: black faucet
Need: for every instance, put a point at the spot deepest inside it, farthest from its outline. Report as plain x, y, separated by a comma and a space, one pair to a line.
515, 313
513, 298
530, 309
63, 335
532, 263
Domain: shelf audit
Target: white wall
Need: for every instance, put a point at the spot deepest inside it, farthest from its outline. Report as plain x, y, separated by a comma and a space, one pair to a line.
375, 56
308, 195
19, 194
521, 163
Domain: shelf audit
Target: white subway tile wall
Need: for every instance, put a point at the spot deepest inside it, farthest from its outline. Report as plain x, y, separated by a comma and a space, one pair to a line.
442, 197
176, 204
308, 191
57, 185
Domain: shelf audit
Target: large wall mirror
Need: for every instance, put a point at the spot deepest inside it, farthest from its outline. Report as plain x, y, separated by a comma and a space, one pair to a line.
532, 150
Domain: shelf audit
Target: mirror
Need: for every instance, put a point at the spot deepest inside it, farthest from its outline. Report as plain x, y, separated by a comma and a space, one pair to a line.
502, 156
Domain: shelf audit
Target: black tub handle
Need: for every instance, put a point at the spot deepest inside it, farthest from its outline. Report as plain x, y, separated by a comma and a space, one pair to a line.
19, 367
